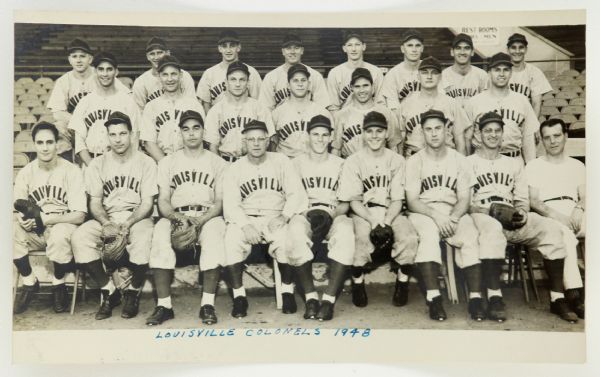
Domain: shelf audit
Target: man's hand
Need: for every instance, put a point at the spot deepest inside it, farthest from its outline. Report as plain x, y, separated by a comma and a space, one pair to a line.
523, 214
198, 221
253, 236
445, 224
277, 223
576, 219
28, 224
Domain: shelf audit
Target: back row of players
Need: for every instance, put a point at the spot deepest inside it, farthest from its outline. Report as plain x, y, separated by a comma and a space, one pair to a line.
264, 199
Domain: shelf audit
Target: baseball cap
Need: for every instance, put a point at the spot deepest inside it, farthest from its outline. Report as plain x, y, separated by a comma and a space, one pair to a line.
361, 73
291, 39
319, 121
433, 114
411, 34
156, 43
228, 36
79, 44
117, 117
500, 58
430, 62
490, 117
374, 119
104, 56
238, 66
462, 37
190, 114
168, 60
353, 34
255, 125
295, 69
516, 37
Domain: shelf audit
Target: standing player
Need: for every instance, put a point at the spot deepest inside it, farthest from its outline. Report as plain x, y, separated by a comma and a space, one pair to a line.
189, 189
348, 121
148, 86
372, 181
261, 193
557, 190
502, 179
95, 108
520, 122
212, 85
275, 89
428, 98
438, 193
160, 132
339, 78
291, 118
122, 185
225, 121
56, 186
402, 79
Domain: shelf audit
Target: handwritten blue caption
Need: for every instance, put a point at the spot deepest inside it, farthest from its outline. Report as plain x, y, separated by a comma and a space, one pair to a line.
286, 331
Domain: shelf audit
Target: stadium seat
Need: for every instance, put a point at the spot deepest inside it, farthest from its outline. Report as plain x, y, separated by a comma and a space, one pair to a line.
128, 82
31, 103
572, 88
28, 96
557, 102
25, 120
43, 81
566, 95
577, 110
40, 110
570, 73
37, 90
582, 117
47, 118
579, 125
24, 81
20, 160
577, 102
549, 110
561, 83
548, 95
44, 98
24, 146
21, 110
19, 90
24, 136
567, 118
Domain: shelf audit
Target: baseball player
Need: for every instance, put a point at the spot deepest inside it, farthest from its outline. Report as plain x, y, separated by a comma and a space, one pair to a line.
148, 86
275, 89
372, 181
212, 85
557, 190
291, 118
502, 179
402, 79
94, 109
56, 187
320, 171
159, 131
226, 119
121, 184
261, 193
438, 193
430, 97
520, 121
338, 79
348, 121
189, 188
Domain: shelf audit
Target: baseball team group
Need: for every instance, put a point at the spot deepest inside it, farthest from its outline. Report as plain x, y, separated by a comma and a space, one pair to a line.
380, 168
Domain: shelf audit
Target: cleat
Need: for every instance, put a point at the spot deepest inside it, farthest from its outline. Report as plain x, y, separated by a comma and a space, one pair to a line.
24, 298
476, 309
289, 303
208, 315
108, 303
436, 309
240, 307
359, 295
400, 297
326, 311
312, 308
159, 315
496, 310
561, 308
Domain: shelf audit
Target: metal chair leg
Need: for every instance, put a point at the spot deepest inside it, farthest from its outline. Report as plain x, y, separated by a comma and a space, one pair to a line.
75, 287
278, 293
528, 259
522, 273
452, 291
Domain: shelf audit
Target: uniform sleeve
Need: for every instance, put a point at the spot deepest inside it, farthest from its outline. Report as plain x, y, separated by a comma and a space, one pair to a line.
338, 129
59, 98
484, 81
521, 190
296, 199
351, 187
531, 174
187, 85
203, 89
93, 179
398, 181
232, 198
378, 85
76, 123
465, 178
265, 116
149, 180
21, 189
389, 92
461, 121
394, 130
163, 178
220, 167
255, 83
267, 90
539, 82
139, 92
77, 200
332, 89
319, 90
531, 123
413, 174
211, 125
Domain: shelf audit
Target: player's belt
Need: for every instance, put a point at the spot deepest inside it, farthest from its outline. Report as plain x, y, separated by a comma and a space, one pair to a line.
560, 198
322, 205
191, 208
495, 199
370, 205
94, 155
516, 153
229, 158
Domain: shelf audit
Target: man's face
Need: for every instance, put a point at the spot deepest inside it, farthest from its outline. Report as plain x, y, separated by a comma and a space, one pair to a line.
155, 55
292, 54
230, 51
169, 78
375, 137
45, 145
412, 50
237, 83
256, 142
362, 89
429, 78
517, 52
434, 131
106, 73
500, 74
354, 49
491, 135
462, 53
192, 132
299, 85
119, 138
554, 140
80, 60
319, 139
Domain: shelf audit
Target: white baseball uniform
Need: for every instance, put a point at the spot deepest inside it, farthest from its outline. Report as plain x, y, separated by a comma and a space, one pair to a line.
338, 83
462, 87
398, 83
529, 82
275, 88
148, 87
213, 85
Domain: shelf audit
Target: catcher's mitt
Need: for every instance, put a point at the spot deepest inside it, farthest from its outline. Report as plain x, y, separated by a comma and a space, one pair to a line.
114, 242
183, 235
30, 210
382, 237
508, 216
320, 223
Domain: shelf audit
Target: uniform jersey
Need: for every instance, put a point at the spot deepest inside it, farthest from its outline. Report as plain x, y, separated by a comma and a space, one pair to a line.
555, 181
376, 180
338, 83
91, 113
147, 87
519, 119
438, 181
290, 121
529, 82
462, 87
160, 121
56, 191
212, 85
191, 180
398, 83
320, 180
499, 180
121, 185
225, 121
275, 88
348, 128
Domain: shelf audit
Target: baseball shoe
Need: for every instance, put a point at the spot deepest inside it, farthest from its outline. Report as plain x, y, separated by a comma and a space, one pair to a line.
576, 303
561, 308
61, 302
359, 295
496, 310
159, 315
326, 311
24, 298
108, 303
289, 303
132, 303
400, 297
240, 307
476, 309
208, 315
436, 309
312, 308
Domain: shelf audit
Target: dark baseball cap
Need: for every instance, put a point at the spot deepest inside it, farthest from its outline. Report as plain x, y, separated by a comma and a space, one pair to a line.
433, 114
500, 58
156, 43
104, 56
462, 37
238, 66
78, 44
374, 119
117, 117
295, 69
255, 125
516, 37
411, 34
361, 73
291, 39
430, 62
190, 114
168, 60
228, 36
490, 117
353, 34
319, 121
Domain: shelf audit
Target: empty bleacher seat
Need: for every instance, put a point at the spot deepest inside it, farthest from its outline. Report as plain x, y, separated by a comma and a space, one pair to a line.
572, 88
579, 125
47, 118
19, 90
40, 110
557, 102
44, 98
577, 101
37, 90
567, 118
548, 95
577, 110
24, 136
21, 110
570, 73
24, 81
25, 120
566, 95
20, 160
549, 110
31, 103
43, 81
24, 146
582, 117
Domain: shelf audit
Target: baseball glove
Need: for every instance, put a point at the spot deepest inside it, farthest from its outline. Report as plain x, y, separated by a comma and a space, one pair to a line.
382, 237
183, 234
320, 223
508, 216
114, 242
30, 210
